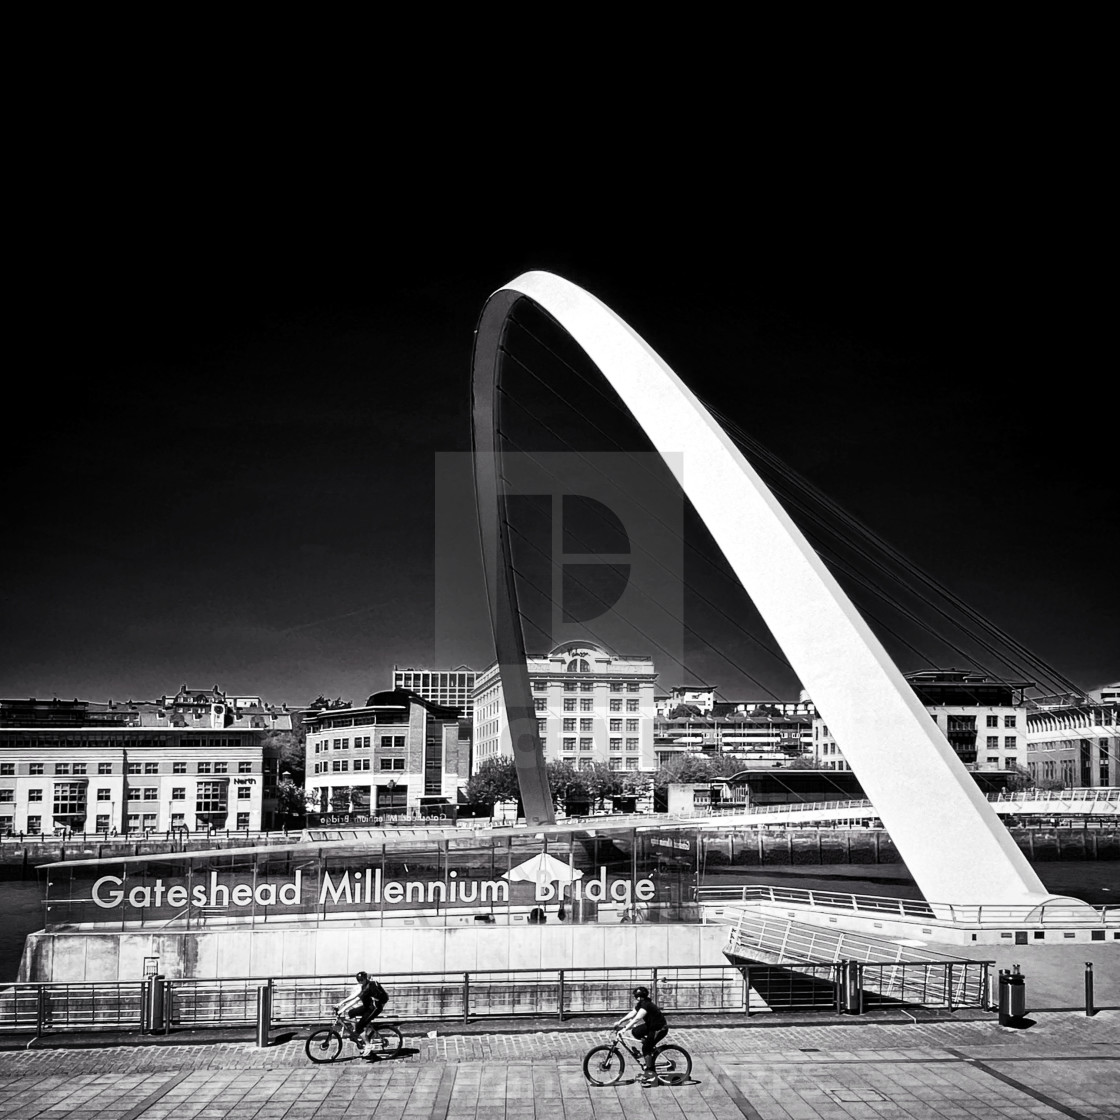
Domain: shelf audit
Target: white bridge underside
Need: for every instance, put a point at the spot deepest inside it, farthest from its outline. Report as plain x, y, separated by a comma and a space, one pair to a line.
953, 843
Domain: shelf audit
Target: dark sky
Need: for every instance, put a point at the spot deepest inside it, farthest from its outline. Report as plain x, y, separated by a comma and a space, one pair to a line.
221, 451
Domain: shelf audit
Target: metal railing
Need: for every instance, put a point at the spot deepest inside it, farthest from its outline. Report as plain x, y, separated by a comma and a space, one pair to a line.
1057, 913
160, 1005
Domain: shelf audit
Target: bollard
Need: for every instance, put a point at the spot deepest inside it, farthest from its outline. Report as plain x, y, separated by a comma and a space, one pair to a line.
264, 1013
1089, 1008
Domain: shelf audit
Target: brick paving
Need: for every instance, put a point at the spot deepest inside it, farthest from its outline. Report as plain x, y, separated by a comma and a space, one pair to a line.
1065, 1065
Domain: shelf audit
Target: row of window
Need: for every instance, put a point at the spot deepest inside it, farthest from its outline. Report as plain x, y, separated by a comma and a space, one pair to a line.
76, 794
1010, 742
8, 769
587, 686
613, 764
587, 743
541, 704
342, 765
136, 822
361, 742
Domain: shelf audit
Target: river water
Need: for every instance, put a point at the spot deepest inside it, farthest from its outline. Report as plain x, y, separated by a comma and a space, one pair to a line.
1096, 882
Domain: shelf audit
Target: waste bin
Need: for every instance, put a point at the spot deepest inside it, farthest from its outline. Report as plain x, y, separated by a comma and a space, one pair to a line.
264, 1013
1012, 995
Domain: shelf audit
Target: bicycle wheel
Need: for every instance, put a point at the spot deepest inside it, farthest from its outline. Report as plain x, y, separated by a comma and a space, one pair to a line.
673, 1064
603, 1065
386, 1039
323, 1045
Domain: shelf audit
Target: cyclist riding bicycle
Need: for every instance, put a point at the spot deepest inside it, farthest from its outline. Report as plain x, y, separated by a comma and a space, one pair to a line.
646, 1023
364, 1003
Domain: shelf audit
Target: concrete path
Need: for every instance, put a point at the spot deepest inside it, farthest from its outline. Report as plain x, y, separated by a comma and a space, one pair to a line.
1064, 1065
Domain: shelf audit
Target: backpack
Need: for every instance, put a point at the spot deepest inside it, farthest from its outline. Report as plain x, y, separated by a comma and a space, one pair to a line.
376, 992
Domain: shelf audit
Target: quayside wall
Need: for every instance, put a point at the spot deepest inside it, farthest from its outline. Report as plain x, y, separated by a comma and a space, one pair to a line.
304, 951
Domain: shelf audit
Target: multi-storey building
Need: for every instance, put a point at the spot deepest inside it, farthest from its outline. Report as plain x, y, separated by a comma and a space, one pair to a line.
449, 688
392, 757
198, 759
592, 706
760, 735
1075, 744
983, 719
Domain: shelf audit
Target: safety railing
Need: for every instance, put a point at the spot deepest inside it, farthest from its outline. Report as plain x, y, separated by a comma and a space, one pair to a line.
160, 1005
1060, 912
1103, 793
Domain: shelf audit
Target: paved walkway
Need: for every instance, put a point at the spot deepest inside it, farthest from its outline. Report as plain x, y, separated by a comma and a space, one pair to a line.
1064, 1065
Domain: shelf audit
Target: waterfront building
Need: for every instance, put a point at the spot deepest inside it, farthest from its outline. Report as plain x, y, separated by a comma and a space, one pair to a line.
397, 755
195, 760
1075, 744
758, 734
449, 688
985, 720
592, 706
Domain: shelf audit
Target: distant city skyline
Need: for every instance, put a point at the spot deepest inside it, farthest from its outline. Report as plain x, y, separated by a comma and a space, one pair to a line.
238, 488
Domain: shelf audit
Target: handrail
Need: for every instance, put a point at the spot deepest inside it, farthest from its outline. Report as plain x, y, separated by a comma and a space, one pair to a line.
1059, 912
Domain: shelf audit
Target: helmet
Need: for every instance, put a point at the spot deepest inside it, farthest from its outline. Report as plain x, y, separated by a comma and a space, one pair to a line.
641, 993
362, 976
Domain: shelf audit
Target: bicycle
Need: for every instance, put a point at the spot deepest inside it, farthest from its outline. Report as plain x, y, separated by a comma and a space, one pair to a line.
604, 1065
326, 1043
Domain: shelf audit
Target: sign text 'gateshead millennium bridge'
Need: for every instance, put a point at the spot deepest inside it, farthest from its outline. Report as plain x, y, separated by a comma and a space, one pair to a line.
358, 887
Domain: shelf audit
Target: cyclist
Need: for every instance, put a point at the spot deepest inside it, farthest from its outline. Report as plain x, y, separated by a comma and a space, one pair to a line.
364, 1004
646, 1023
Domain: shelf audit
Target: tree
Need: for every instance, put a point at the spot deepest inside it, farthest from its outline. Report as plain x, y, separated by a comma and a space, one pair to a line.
567, 784
1021, 779
495, 780
292, 804
684, 768
290, 746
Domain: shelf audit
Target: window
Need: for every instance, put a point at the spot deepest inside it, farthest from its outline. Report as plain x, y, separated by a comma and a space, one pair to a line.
570, 744
585, 763
616, 705
149, 821
151, 793
179, 793
993, 742
585, 743
631, 705
1009, 742
242, 820
62, 767
569, 703
132, 768
542, 727
392, 764
631, 688
178, 768
104, 794
102, 824
244, 793
221, 767
395, 742
361, 741
7, 795
7, 767
360, 764
578, 665
340, 764
34, 825
540, 704
616, 687
585, 724
540, 686
616, 744
79, 768
615, 764
104, 767
569, 724
34, 795
631, 725
587, 686
616, 725
210, 797
35, 768
993, 721
632, 744
151, 767
1008, 721
69, 799
631, 764
244, 767
571, 686
587, 705
203, 768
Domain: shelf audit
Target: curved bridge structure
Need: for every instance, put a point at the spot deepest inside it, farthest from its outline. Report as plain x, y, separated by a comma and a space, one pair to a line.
946, 831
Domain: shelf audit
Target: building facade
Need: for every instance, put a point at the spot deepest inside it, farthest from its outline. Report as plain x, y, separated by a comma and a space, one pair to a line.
195, 760
449, 688
984, 720
1077, 745
398, 755
592, 706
